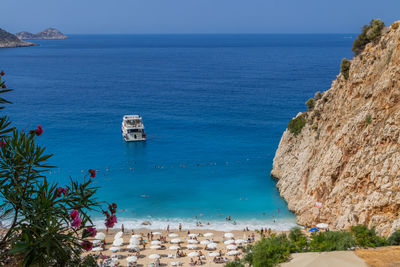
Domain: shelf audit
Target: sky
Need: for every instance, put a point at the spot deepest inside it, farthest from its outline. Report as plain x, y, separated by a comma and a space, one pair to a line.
195, 16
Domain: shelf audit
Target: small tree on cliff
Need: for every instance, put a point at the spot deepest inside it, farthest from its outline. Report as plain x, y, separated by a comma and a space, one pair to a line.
48, 223
369, 33
345, 68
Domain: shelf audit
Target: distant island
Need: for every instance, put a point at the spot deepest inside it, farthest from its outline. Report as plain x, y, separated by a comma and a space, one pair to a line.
50, 33
10, 40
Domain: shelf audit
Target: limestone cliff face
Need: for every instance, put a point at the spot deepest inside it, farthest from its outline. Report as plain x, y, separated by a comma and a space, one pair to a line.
347, 156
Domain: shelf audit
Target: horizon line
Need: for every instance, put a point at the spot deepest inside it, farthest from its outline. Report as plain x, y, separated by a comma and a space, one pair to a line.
305, 33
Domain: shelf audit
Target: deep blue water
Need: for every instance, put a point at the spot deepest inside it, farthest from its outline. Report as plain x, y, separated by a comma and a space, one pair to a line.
214, 108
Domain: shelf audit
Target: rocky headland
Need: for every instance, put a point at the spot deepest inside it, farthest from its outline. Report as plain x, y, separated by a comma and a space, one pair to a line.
50, 33
10, 40
339, 162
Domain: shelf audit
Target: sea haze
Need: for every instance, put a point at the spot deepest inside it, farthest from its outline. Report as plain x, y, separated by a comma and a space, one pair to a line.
214, 108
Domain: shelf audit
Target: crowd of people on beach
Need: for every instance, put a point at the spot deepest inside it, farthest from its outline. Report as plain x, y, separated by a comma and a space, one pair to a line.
181, 255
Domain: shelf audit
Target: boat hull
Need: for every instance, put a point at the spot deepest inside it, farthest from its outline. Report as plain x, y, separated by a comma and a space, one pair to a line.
129, 139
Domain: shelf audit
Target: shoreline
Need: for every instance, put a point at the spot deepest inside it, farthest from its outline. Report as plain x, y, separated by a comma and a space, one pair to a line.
16, 45
191, 224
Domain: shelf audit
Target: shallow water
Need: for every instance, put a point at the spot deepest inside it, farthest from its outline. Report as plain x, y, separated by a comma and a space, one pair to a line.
214, 108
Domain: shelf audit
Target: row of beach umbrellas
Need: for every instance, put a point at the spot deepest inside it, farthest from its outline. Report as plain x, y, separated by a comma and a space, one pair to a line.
156, 244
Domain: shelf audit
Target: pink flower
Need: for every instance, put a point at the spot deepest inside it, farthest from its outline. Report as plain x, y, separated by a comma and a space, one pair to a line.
91, 231
92, 173
2, 143
86, 245
61, 191
110, 221
39, 130
76, 223
113, 218
74, 214
109, 224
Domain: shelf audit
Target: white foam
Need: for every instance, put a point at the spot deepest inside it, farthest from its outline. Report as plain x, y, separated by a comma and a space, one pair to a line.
219, 225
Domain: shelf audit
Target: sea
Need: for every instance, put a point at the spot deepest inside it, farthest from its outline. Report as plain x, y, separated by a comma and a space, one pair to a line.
214, 109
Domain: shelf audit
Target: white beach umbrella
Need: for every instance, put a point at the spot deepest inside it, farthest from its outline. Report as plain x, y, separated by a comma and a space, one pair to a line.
156, 242
155, 247
131, 259
176, 241
193, 254
174, 247
156, 233
212, 246
118, 235
229, 242
193, 241
114, 249
154, 256
213, 254
240, 241
173, 235
229, 235
193, 235
191, 246
134, 242
233, 252
97, 249
205, 242
322, 225
100, 235
136, 236
231, 247
208, 234
118, 242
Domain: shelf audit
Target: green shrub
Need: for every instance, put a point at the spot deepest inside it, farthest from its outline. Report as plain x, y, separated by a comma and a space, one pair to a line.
87, 261
310, 103
395, 26
296, 124
331, 241
369, 33
234, 264
345, 68
271, 251
49, 222
368, 119
318, 95
394, 239
248, 255
298, 240
367, 237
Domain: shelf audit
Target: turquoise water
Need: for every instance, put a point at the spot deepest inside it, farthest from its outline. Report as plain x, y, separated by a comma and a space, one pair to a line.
214, 108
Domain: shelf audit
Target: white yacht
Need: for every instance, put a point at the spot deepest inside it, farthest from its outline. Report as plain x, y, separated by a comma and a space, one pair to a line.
133, 128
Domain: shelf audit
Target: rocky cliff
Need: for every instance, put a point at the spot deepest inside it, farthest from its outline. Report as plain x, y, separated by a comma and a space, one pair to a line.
10, 40
343, 168
49, 33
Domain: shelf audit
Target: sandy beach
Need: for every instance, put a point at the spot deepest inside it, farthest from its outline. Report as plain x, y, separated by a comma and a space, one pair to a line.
168, 256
